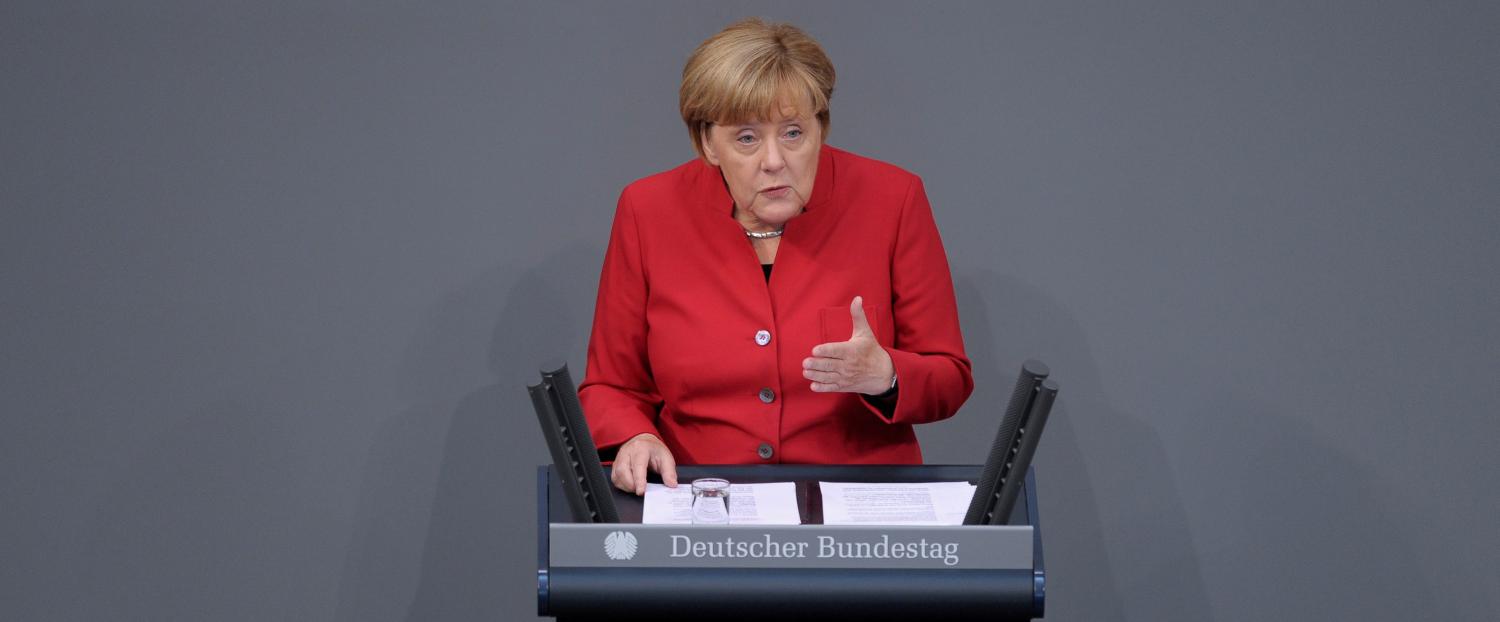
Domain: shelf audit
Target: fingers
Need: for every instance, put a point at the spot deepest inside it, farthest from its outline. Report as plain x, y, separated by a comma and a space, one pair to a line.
845, 365
638, 472
637, 457
629, 471
664, 463
826, 374
825, 377
822, 364
620, 474
616, 475
838, 350
859, 372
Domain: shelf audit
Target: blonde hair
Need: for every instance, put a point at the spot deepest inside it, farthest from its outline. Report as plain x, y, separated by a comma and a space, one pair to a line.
745, 73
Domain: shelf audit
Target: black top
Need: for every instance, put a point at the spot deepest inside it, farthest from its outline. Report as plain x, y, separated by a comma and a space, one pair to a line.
767, 268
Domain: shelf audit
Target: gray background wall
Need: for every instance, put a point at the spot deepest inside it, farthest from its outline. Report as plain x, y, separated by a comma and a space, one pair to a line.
273, 276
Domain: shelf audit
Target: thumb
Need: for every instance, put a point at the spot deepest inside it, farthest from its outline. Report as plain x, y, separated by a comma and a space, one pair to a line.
861, 324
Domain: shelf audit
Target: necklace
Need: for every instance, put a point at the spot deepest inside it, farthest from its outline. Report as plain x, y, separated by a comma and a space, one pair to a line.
764, 235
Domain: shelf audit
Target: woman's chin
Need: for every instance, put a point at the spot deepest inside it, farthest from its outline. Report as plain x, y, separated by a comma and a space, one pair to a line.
776, 214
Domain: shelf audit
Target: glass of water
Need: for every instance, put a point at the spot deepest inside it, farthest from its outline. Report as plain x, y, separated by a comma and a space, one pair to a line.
710, 501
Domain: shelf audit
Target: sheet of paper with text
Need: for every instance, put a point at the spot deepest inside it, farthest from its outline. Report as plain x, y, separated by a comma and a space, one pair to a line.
749, 504
932, 503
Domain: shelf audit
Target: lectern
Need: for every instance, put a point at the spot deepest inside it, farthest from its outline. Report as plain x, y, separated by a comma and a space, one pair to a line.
596, 561
627, 570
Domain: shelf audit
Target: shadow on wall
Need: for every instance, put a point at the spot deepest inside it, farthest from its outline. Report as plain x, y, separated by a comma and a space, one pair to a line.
464, 547
1285, 526
1116, 535
1303, 531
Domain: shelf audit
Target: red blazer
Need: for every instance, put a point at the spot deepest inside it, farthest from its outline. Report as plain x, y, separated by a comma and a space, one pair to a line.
674, 350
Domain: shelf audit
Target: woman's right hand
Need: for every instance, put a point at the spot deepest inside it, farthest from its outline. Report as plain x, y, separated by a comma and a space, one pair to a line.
635, 456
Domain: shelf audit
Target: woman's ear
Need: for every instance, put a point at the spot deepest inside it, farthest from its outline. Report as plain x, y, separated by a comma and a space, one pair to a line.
708, 148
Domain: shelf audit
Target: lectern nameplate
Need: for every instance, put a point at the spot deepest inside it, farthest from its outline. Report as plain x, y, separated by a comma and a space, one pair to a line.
601, 545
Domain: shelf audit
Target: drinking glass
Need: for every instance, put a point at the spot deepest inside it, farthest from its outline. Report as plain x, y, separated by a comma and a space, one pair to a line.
710, 501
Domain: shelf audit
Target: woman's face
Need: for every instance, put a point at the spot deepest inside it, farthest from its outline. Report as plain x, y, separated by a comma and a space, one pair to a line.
769, 165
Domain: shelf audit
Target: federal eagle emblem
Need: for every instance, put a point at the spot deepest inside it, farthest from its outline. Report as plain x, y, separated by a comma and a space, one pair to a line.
620, 545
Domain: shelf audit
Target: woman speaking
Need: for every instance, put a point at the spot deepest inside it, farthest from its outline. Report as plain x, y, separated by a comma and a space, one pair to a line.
776, 299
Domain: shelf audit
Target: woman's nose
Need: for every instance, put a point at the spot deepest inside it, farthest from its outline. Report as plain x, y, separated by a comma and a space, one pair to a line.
773, 160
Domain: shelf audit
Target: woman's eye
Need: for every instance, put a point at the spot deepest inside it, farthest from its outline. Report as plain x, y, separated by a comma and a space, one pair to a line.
745, 139
791, 134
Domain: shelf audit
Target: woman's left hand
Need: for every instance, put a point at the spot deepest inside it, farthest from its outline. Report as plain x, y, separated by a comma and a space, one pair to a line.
858, 365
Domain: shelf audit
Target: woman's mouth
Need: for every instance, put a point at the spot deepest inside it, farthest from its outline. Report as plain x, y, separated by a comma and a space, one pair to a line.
776, 192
